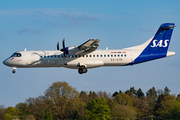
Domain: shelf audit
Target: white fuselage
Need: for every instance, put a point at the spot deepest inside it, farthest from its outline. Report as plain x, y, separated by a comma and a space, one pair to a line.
55, 58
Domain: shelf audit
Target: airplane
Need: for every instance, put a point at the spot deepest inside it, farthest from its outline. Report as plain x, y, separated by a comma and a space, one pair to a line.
86, 55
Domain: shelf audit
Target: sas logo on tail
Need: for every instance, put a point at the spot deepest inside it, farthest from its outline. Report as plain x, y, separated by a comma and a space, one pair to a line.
160, 43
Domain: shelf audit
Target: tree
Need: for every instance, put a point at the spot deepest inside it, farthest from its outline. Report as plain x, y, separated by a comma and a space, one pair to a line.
151, 100
141, 107
36, 105
97, 109
43, 114
166, 91
169, 109
22, 110
123, 99
139, 93
65, 99
48, 116
7, 116
122, 112
115, 93
12, 111
84, 97
2, 111
92, 95
30, 117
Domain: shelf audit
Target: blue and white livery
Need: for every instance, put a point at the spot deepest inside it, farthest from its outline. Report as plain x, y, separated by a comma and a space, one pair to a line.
87, 56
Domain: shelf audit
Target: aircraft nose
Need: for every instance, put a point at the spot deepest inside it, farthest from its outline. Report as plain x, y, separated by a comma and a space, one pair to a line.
6, 62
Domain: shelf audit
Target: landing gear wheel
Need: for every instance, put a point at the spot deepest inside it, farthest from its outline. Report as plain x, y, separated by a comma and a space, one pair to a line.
84, 70
80, 71
13, 71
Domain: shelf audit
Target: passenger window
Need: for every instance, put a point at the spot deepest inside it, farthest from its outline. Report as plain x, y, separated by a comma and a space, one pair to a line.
124, 55
79, 55
89, 55
108, 55
93, 55
111, 55
114, 55
104, 55
76, 56
121, 55
82, 55
51, 56
101, 55
118, 55
97, 55
44, 56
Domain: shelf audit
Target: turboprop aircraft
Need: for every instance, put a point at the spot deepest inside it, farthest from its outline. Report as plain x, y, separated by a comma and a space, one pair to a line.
87, 56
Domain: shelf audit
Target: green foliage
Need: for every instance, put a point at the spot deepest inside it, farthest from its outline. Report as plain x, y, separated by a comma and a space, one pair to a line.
170, 109
61, 101
121, 112
7, 116
63, 98
11, 111
124, 99
139, 93
48, 116
141, 107
115, 93
15, 117
22, 110
2, 111
151, 99
43, 114
97, 109
30, 117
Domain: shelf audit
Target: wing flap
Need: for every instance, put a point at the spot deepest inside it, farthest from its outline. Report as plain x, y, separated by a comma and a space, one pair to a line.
89, 46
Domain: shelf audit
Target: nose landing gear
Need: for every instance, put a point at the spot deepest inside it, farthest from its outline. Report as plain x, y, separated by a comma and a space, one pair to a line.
14, 70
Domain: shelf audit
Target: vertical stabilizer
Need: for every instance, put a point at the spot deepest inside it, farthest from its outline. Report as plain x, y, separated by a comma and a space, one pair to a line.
158, 46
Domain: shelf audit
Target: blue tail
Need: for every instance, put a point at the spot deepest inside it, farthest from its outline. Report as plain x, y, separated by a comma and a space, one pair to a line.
158, 46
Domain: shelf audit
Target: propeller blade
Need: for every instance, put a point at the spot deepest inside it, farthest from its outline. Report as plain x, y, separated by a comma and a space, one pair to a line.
58, 46
64, 48
63, 44
64, 55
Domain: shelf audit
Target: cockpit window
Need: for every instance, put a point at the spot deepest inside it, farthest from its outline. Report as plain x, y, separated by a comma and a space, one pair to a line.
16, 55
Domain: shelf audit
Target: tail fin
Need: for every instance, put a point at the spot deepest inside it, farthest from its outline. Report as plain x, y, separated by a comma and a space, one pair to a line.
161, 40
158, 46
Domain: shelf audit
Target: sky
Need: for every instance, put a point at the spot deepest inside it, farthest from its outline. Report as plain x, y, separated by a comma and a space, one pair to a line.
39, 25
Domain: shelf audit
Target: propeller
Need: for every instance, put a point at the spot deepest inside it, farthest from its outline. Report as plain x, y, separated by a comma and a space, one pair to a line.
58, 46
63, 49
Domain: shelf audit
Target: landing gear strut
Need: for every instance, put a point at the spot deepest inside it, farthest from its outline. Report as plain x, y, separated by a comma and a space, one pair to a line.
14, 70
82, 70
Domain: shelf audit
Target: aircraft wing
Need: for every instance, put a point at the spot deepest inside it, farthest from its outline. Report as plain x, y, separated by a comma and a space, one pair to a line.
89, 46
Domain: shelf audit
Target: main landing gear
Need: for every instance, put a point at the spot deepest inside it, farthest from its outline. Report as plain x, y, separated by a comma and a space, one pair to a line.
82, 70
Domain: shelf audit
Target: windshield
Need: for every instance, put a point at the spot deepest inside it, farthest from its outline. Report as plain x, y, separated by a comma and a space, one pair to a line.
16, 55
